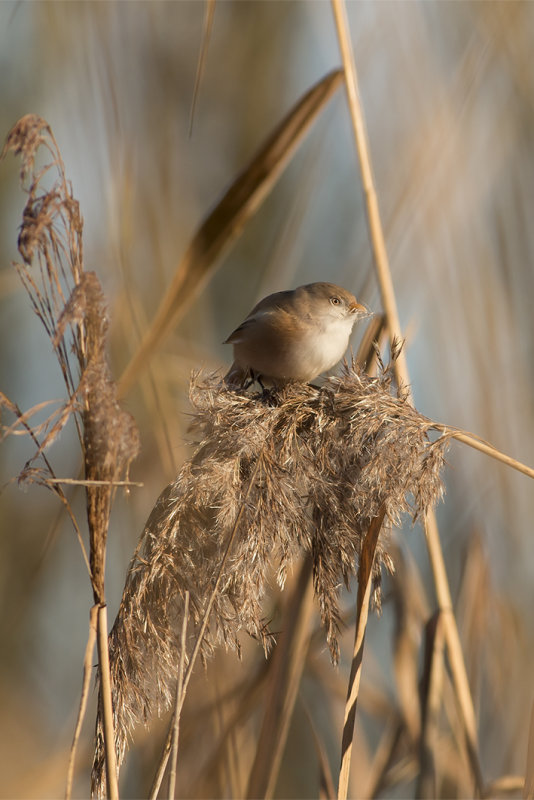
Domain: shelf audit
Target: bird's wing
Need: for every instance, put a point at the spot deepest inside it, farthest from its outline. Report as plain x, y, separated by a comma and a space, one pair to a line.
236, 335
268, 304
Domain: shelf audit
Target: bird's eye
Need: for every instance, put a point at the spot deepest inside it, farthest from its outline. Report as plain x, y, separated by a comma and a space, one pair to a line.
335, 301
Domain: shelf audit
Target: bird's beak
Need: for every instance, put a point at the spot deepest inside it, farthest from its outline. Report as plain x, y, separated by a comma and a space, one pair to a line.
359, 308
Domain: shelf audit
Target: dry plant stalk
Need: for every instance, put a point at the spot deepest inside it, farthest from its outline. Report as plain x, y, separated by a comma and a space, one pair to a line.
302, 469
70, 304
365, 583
378, 246
228, 218
285, 673
432, 694
289, 659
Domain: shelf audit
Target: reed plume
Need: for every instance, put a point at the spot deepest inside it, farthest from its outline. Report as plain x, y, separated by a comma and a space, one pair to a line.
70, 304
299, 469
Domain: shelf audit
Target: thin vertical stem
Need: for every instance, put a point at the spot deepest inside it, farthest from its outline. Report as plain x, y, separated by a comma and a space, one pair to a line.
376, 233
107, 706
179, 701
87, 669
458, 670
454, 647
431, 696
209, 13
365, 583
203, 627
286, 669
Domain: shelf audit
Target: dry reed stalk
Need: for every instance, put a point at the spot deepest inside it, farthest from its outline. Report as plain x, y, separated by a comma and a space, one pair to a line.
371, 203
383, 756
79, 482
207, 25
199, 640
105, 704
70, 304
286, 670
432, 692
408, 615
300, 469
179, 702
505, 785
474, 441
454, 649
162, 766
326, 782
365, 580
245, 698
289, 657
226, 221
390, 307
87, 670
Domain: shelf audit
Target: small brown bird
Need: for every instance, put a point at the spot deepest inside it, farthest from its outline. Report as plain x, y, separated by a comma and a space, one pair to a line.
293, 335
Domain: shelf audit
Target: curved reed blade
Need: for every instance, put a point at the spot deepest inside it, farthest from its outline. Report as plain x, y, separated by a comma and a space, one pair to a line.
365, 580
209, 13
226, 221
376, 233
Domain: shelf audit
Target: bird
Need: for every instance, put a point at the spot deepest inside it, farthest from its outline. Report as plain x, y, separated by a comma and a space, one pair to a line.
293, 335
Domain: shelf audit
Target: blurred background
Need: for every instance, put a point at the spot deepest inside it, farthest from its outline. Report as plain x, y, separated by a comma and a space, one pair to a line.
448, 94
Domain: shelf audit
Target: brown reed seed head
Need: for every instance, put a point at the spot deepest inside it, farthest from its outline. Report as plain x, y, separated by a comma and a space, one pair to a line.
70, 304
300, 469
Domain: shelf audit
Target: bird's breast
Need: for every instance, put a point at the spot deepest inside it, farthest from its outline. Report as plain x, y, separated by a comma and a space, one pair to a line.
298, 353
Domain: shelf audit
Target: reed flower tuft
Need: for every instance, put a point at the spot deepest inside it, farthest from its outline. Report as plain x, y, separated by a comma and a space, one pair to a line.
70, 303
297, 470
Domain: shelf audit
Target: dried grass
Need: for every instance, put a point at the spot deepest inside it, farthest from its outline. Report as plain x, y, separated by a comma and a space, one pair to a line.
227, 219
302, 469
70, 304
448, 220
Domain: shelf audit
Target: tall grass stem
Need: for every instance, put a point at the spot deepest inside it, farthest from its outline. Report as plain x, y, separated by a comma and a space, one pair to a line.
365, 583
107, 707
179, 702
401, 370
87, 670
